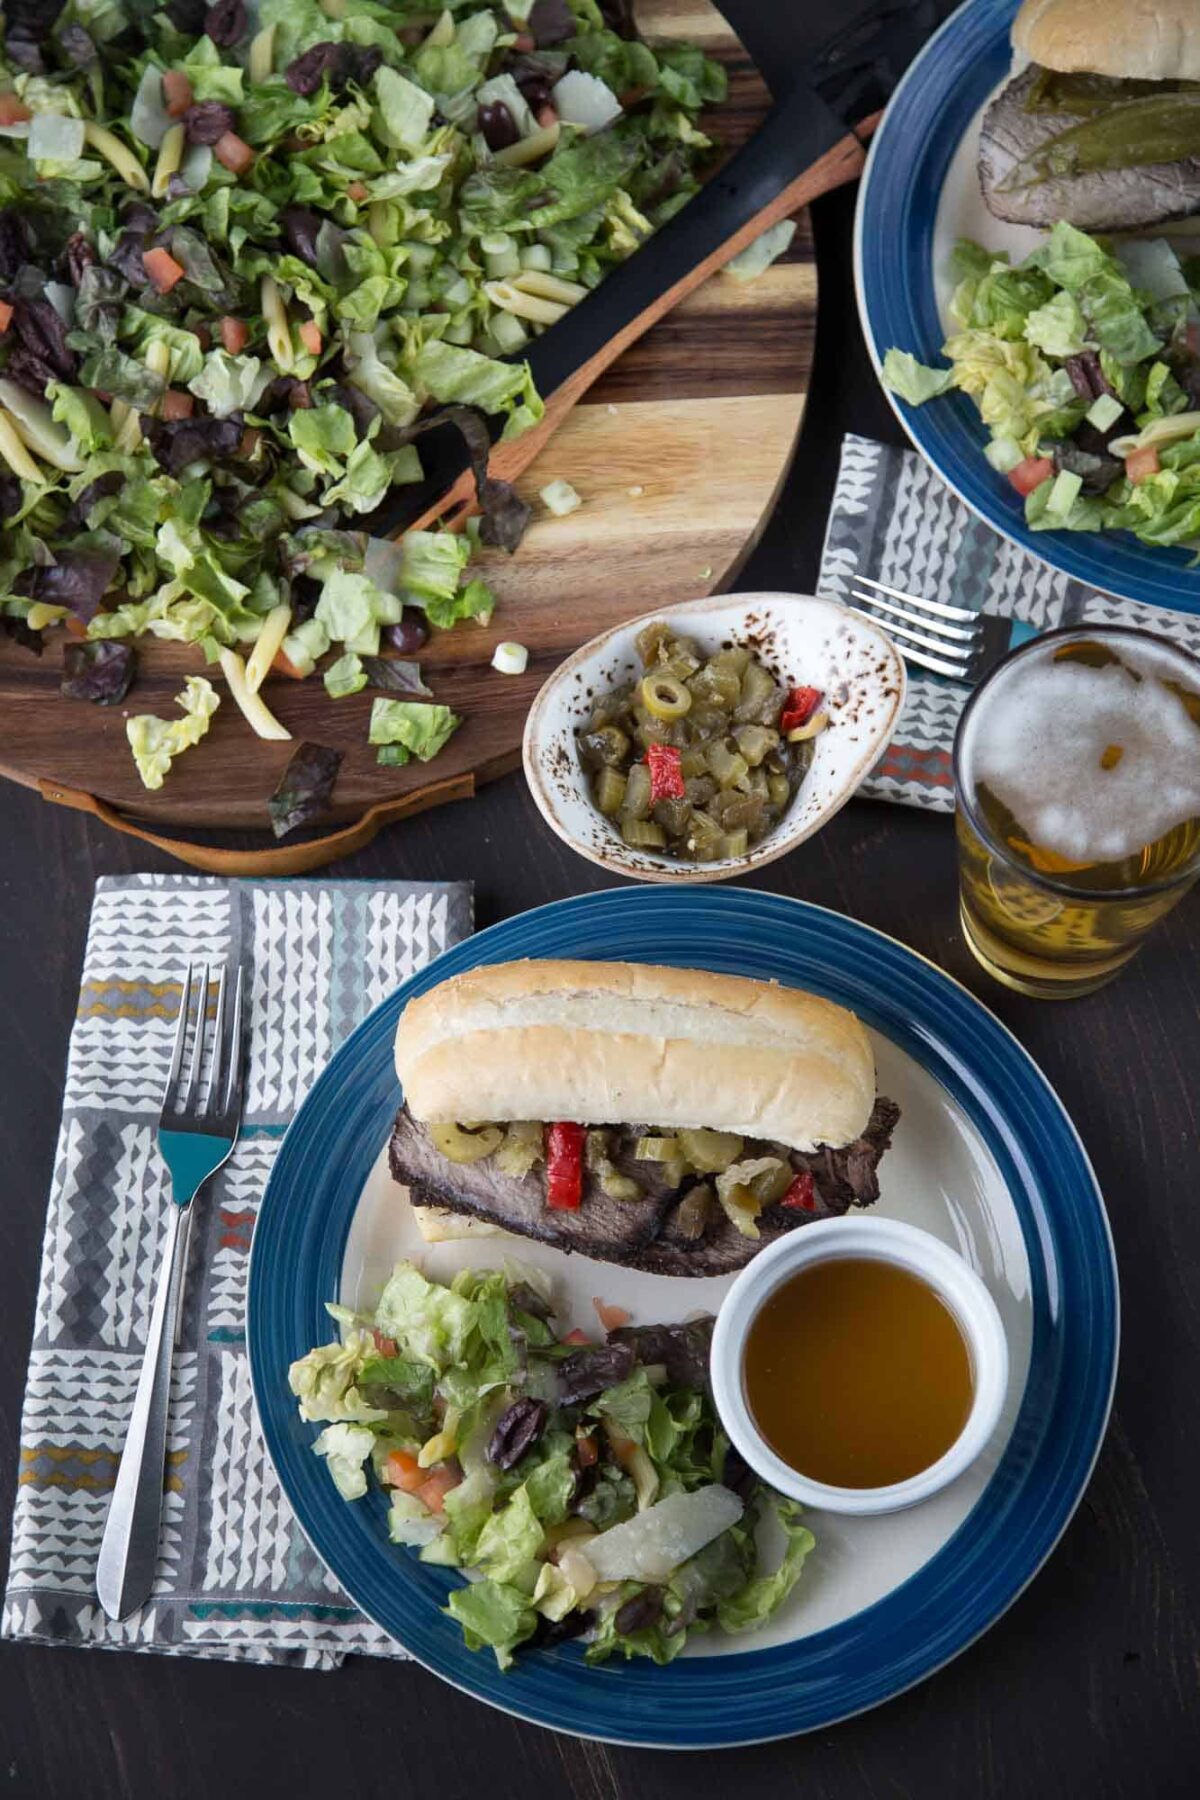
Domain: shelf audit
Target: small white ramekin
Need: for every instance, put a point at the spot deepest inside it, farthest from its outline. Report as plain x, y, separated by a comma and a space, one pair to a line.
887, 1240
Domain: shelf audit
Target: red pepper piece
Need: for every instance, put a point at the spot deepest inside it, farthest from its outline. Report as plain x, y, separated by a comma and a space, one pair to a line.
799, 708
564, 1166
666, 772
801, 1196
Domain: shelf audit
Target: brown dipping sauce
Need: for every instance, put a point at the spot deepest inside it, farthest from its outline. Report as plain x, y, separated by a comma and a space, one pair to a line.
857, 1373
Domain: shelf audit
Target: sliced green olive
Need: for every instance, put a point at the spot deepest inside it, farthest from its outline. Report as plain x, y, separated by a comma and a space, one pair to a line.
458, 1145
665, 697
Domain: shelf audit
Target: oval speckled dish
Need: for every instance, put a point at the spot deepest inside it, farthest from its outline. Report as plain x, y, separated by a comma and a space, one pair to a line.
803, 639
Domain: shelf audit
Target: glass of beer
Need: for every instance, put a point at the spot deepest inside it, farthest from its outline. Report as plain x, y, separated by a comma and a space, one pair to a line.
1077, 789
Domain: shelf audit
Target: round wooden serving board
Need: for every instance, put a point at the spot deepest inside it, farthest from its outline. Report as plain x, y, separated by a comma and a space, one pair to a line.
678, 453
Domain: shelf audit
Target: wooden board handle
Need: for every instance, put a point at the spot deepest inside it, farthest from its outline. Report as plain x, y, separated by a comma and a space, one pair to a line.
283, 859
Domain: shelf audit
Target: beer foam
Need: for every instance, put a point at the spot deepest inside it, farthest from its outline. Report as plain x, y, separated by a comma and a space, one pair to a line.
1038, 737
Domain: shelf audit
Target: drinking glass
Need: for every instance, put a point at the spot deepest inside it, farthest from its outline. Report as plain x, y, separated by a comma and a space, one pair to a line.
1077, 805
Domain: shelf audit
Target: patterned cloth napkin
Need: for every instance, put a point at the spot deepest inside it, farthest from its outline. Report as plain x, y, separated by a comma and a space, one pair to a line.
894, 519
236, 1579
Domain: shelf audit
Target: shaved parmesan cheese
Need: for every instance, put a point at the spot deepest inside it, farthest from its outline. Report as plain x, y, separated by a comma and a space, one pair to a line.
649, 1547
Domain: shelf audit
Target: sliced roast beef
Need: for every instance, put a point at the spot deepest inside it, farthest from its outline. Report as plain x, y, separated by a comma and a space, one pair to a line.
612, 1229
658, 1232
1097, 200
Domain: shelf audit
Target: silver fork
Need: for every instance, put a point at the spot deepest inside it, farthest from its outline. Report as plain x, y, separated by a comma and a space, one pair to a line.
195, 1136
950, 640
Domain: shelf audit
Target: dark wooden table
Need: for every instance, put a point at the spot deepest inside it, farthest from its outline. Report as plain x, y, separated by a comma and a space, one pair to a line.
1090, 1685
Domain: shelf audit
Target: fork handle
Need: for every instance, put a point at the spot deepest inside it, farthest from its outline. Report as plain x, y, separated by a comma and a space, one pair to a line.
129, 1547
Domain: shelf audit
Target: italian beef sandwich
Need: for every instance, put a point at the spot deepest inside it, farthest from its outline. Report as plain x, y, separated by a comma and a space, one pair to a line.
671, 1119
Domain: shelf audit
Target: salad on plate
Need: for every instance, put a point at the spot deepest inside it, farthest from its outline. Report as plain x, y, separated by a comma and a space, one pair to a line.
1084, 363
249, 252
586, 1489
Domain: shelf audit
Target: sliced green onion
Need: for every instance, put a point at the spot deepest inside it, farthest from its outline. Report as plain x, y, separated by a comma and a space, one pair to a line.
560, 498
1104, 411
509, 333
510, 658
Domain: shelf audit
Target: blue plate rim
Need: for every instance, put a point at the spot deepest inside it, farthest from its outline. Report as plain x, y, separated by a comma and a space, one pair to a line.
1144, 574
1037, 1089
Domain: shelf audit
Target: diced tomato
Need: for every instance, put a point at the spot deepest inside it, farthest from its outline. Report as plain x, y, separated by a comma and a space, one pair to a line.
1031, 473
524, 43
564, 1166
434, 1489
799, 708
357, 190
1140, 465
235, 334
546, 116
405, 1472
310, 336
12, 110
577, 1337
801, 1196
283, 665
177, 93
74, 626
611, 1317
233, 153
6, 313
587, 1450
386, 1346
162, 269
249, 443
666, 772
177, 405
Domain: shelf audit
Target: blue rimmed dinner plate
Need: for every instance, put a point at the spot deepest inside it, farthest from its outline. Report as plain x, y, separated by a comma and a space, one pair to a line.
984, 1155
919, 193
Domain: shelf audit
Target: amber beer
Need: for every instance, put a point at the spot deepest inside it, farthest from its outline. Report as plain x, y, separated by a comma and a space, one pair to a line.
1077, 788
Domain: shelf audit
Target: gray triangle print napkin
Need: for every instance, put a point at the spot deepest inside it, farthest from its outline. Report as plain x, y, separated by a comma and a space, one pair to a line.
236, 1579
895, 519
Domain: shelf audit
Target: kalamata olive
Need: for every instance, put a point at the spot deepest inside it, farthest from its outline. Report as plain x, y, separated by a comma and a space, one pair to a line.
226, 22
518, 1428
497, 124
410, 634
640, 1612
207, 122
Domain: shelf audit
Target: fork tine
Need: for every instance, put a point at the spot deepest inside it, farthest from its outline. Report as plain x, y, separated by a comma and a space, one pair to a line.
187, 1103
233, 1086
954, 634
181, 1025
958, 671
218, 1051
939, 607
937, 646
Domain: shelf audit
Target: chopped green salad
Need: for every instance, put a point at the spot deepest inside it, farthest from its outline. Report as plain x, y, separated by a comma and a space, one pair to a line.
1084, 362
249, 252
586, 1489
